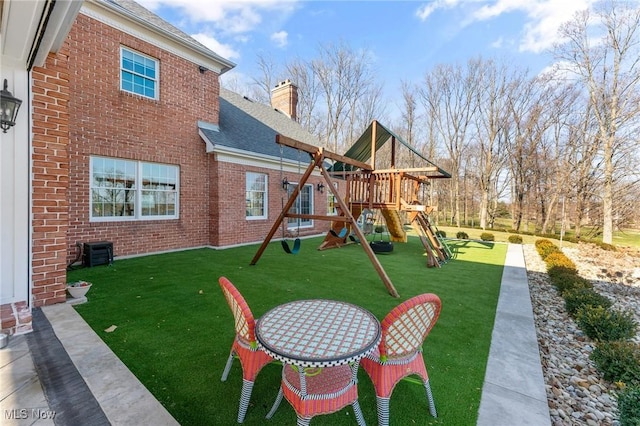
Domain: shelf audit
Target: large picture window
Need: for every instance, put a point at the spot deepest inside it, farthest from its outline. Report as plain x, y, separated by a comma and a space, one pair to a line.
138, 73
256, 196
303, 205
133, 190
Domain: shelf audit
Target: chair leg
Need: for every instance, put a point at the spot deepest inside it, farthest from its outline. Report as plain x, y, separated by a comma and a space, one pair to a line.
227, 367
276, 404
383, 411
358, 412
245, 396
432, 404
303, 421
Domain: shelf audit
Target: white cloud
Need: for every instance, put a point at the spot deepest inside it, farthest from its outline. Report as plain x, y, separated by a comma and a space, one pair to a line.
424, 11
280, 38
543, 19
221, 49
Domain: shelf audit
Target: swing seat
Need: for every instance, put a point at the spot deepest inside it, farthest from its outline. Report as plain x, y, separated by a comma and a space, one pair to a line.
342, 234
381, 246
294, 250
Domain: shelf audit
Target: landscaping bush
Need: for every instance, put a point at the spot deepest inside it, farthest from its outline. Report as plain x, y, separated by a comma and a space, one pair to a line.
559, 260
618, 361
462, 235
545, 248
629, 407
605, 246
565, 282
542, 243
487, 236
441, 234
605, 325
577, 297
515, 239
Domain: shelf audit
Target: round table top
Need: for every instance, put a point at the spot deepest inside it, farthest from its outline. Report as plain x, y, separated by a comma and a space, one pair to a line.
318, 332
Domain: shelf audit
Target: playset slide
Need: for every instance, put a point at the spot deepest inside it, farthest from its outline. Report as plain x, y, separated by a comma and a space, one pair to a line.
394, 225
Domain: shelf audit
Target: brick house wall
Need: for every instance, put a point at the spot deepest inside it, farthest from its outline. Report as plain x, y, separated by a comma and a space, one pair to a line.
229, 229
50, 206
112, 123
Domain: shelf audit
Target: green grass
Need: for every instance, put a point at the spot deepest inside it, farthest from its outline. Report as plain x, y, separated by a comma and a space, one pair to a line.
174, 328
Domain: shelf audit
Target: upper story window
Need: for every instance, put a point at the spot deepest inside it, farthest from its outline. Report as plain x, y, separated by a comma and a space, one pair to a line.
138, 73
256, 195
130, 190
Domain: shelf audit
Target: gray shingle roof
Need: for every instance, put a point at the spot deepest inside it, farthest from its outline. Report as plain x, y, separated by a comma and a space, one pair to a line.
251, 126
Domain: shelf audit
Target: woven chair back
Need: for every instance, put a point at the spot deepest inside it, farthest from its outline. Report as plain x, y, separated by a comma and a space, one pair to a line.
405, 328
244, 321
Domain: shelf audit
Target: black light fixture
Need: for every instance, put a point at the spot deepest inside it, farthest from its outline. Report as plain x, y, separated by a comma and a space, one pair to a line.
10, 106
285, 184
320, 188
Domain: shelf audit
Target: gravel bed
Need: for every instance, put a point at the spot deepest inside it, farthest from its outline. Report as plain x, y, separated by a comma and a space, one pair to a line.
576, 391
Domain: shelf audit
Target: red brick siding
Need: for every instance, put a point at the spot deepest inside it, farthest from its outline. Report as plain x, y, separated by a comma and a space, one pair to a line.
232, 227
50, 208
109, 122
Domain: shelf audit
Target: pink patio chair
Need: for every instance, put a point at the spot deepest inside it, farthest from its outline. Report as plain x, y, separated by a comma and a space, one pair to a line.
399, 353
244, 345
314, 391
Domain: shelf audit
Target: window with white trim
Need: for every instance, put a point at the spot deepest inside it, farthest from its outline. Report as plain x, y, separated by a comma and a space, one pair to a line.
256, 195
332, 202
133, 190
138, 73
302, 205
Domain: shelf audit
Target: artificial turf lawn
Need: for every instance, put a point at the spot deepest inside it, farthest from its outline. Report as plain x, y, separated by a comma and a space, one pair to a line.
174, 328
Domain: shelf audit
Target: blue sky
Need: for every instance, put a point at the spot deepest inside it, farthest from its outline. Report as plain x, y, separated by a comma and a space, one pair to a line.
406, 38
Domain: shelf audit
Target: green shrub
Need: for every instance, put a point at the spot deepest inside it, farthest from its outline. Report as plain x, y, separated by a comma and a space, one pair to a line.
605, 246
618, 361
556, 271
441, 234
515, 239
567, 281
487, 236
560, 260
629, 407
577, 297
603, 324
462, 235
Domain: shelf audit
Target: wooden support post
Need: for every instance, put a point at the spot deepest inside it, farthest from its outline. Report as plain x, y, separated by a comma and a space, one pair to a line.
363, 239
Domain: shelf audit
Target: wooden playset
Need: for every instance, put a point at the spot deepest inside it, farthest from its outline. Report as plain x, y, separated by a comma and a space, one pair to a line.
390, 191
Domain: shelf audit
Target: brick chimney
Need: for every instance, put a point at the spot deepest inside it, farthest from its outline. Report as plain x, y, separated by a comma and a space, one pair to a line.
284, 98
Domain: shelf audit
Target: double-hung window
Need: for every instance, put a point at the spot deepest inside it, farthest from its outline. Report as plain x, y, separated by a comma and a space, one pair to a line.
138, 73
256, 195
303, 205
133, 190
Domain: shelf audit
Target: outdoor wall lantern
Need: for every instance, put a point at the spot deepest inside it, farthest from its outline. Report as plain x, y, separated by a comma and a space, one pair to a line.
10, 106
320, 188
285, 184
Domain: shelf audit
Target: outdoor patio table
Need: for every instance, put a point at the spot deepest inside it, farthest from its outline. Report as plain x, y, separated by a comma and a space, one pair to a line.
309, 335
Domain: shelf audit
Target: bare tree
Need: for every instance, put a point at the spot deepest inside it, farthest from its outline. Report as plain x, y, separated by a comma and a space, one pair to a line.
449, 97
609, 69
490, 125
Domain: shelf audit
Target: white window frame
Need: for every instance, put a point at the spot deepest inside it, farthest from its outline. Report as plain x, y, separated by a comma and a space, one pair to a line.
156, 79
332, 201
137, 190
265, 191
294, 222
